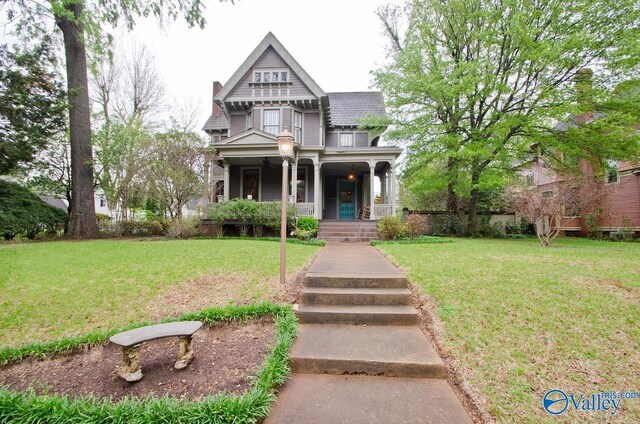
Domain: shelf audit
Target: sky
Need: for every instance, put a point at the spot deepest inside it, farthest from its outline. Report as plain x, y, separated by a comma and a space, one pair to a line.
338, 42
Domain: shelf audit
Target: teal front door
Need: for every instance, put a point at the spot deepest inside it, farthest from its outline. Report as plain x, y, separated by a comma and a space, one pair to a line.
346, 200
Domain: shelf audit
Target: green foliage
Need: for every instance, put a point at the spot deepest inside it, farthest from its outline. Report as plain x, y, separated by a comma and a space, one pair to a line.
390, 227
24, 213
472, 85
248, 212
32, 103
415, 226
249, 407
307, 223
451, 225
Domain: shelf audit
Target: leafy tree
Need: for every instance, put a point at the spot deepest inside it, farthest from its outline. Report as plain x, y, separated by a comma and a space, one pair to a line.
32, 106
472, 84
22, 212
80, 21
50, 171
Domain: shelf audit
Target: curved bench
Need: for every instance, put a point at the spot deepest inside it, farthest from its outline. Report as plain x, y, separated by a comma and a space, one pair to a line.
132, 340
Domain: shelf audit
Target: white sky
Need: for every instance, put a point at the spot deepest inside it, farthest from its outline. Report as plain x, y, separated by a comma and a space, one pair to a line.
338, 42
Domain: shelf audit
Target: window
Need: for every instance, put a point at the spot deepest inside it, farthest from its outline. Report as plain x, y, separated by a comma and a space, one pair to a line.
249, 120
301, 186
251, 183
611, 171
272, 121
346, 139
547, 194
103, 203
297, 126
272, 76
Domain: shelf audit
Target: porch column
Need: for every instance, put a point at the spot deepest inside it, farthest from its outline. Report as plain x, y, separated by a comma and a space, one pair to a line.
372, 190
316, 190
226, 182
383, 187
393, 188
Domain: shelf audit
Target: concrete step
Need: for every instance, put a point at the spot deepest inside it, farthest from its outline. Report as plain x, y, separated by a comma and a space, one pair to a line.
330, 399
359, 314
392, 351
382, 281
349, 239
346, 234
355, 296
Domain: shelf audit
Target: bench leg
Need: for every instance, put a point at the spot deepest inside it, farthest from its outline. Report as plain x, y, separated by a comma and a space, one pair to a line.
130, 369
185, 355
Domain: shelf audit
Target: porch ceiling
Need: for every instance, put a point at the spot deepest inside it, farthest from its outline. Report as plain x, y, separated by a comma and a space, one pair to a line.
342, 168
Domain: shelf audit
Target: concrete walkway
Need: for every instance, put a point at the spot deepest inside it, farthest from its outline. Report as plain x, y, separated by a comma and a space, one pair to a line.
360, 356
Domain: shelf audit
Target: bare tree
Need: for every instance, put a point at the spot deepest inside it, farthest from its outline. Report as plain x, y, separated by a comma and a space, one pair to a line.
175, 170
552, 207
142, 92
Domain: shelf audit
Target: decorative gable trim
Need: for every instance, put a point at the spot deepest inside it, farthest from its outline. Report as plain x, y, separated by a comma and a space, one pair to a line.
269, 41
250, 137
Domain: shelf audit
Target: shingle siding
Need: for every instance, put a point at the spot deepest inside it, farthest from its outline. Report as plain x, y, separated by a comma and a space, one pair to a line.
238, 124
270, 59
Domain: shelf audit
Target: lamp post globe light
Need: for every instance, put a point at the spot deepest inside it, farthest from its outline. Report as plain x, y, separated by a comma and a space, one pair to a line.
285, 148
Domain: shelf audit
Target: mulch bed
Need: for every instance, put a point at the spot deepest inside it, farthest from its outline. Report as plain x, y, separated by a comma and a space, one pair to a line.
227, 357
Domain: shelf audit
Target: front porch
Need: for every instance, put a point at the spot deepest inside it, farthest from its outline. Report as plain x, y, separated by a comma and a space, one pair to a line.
340, 190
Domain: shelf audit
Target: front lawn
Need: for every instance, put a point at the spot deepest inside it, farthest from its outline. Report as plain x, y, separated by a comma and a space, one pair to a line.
522, 319
57, 289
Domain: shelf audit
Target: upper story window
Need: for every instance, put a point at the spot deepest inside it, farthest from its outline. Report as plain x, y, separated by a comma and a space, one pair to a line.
611, 171
530, 179
271, 121
346, 140
249, 119
271, 76
297, 126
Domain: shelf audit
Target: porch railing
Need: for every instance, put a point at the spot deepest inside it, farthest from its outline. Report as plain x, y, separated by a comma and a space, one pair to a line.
382, 210
305, 209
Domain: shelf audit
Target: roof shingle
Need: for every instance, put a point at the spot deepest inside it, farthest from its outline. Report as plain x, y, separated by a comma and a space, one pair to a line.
348, 109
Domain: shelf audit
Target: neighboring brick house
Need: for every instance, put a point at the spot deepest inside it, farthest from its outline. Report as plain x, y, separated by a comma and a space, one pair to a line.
621, 181
337, 160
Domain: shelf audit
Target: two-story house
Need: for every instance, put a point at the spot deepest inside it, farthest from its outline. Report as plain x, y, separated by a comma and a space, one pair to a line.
338, 163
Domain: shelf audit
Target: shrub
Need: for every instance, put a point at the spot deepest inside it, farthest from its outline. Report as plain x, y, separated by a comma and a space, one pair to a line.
390, 227
219, 214
24, 213
184, 228
243, 211
452, 225
102, 217
308, 224
415, 226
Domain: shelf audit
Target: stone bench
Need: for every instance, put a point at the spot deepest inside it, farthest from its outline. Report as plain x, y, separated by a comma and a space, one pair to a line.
132, 340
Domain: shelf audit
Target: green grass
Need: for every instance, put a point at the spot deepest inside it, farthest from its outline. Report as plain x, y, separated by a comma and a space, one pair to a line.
521, 319
250, 407
59, 289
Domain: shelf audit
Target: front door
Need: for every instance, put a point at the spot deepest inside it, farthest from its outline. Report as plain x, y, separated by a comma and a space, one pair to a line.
346, 200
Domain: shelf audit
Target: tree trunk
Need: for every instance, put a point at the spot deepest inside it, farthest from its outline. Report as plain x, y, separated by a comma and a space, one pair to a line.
452, 197
472, 220
83, 216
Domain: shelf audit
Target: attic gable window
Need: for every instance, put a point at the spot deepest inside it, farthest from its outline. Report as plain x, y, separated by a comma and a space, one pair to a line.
271, 76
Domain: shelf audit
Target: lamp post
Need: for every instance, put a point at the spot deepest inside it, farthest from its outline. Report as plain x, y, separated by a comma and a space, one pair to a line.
285, 148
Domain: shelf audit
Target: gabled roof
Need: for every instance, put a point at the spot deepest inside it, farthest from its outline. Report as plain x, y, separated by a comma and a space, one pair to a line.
348, 109
269, 41
216, 122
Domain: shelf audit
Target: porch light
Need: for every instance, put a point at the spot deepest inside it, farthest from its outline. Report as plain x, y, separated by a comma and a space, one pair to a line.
351, 176
285, 144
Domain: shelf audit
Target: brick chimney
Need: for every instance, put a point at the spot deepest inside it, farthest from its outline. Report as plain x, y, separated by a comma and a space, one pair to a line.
216, 109
584, 89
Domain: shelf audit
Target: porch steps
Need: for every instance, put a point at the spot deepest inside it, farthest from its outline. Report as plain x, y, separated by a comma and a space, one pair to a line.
359, 230
355, 296
358, 314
